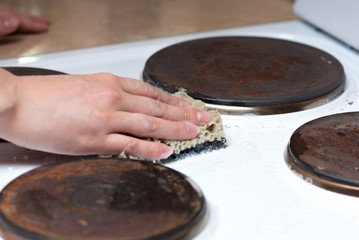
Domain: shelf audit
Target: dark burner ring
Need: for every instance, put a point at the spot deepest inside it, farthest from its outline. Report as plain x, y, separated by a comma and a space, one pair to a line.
31, 71
248, 72
101, 199
326, 152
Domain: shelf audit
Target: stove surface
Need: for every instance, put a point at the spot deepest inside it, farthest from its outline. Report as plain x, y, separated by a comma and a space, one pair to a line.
250, 191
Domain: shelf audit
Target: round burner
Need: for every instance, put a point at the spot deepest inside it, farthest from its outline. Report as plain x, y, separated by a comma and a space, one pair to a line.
248, 74
31, 71
101, 199
325, 152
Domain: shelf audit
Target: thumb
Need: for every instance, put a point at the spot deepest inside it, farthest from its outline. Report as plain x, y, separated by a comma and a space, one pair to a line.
8, 25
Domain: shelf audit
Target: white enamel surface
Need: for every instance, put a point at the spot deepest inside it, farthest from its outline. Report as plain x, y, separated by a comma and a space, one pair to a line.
337, 17
250, 191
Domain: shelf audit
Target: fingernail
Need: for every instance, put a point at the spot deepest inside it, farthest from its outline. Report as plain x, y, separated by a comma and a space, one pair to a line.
183, 103
204, 117
165, 151
192, 129
10, 23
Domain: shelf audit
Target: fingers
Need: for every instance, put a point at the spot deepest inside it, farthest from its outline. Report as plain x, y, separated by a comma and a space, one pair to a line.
8, 25
39, 19
135, 96
146, 126
11, 21
156, 108
117, 143
33, 24
157, 103
140, 88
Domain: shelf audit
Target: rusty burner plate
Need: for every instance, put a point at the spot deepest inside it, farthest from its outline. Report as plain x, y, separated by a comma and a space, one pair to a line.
101, 199
325, 152
31, 71
248, 74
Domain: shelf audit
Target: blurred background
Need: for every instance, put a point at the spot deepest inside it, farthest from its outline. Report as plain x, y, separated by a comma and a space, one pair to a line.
87, 23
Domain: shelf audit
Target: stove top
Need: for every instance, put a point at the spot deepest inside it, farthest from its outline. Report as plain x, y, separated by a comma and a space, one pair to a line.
250, 192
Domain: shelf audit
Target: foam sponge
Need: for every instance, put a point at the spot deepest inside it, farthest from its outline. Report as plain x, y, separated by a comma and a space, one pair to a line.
211, 136
211, 132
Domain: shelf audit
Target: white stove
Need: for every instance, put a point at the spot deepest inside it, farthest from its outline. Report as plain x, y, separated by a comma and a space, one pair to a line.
250, 191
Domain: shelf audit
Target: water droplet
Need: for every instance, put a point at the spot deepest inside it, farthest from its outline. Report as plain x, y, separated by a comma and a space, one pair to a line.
308, 180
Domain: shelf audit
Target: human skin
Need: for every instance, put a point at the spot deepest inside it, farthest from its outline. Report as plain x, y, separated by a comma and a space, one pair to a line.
93, 114
14, 21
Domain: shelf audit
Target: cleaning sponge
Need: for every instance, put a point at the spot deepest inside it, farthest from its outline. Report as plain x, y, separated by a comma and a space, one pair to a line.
211, 136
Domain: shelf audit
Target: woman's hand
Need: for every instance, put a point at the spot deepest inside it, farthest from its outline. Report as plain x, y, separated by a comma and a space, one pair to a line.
95, 114
12, 20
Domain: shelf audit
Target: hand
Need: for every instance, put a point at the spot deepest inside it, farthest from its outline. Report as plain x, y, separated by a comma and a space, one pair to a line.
95, 114
11, 21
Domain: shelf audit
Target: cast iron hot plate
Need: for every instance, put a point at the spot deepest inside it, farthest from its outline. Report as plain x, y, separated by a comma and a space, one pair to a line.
101, 199
248, 74
325, 152
31, 71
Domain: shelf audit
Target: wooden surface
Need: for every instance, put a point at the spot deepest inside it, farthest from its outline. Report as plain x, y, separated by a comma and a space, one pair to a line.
87, 23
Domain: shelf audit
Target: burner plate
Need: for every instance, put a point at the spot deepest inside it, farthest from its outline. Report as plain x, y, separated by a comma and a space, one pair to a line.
101, 199
31, 71
326, 152
251, 72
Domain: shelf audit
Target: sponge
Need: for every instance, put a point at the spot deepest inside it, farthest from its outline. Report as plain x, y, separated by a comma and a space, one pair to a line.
211, 136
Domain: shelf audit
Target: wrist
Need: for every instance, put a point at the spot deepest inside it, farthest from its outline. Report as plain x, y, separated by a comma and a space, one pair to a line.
7, 98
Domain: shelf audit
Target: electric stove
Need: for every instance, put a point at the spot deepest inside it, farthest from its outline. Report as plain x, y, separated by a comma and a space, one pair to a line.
250, 190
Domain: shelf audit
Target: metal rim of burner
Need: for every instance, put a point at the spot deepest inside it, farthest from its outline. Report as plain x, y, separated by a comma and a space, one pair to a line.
93, 184
326, 77
320, 181
287, 108
311, 172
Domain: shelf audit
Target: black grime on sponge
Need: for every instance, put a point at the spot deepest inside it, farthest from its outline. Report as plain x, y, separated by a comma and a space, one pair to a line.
198, 149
